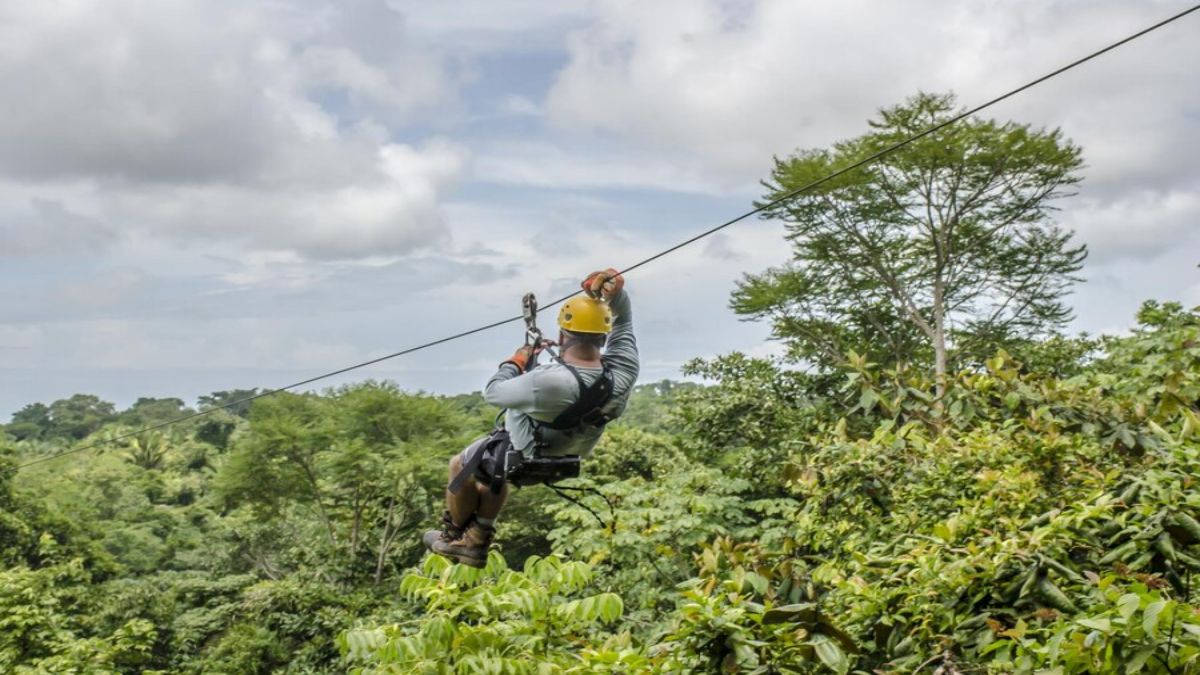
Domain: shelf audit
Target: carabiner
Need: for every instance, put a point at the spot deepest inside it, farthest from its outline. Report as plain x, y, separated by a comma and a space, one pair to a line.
529, 310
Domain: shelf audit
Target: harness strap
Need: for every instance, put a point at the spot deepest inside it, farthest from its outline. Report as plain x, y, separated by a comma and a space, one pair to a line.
474, 456
569, 367
587, 408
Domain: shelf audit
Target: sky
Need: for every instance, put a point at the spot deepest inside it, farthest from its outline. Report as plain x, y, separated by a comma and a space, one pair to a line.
198, 195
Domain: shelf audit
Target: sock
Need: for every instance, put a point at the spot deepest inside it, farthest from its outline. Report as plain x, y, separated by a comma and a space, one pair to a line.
486, 522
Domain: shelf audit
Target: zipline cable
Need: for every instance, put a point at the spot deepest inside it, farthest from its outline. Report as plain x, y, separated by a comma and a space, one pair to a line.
791, 194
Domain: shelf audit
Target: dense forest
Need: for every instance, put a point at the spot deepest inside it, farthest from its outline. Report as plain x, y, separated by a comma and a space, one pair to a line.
934, 478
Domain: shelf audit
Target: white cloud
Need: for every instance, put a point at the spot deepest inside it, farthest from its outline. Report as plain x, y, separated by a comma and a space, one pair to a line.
1135, 224
47, 226
735, 82
729, 84
264, 124
563, 165
489, 27
17, 343
389, 208
721, 246
520, 106
102, 290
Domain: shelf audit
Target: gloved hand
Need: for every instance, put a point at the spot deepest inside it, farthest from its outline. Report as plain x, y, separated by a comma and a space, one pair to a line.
521, 357
604, 283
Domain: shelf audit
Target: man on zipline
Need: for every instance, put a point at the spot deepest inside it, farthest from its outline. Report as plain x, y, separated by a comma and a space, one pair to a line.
555, 414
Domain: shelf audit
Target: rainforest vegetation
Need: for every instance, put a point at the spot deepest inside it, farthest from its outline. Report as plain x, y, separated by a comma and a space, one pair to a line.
935, 477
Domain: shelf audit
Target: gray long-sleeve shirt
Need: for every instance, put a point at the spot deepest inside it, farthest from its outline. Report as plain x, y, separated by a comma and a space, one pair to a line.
547, 390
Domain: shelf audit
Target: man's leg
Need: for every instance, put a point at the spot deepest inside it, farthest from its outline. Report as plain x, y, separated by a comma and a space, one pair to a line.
464, 504
459, 508
472, 547
489, 502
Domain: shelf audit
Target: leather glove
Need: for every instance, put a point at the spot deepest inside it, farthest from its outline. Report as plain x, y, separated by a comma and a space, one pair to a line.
521, 357
603, 283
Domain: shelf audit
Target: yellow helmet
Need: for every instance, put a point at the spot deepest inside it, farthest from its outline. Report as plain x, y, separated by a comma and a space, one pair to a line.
585, 314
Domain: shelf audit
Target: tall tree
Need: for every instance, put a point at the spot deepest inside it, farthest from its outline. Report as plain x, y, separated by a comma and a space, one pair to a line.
32, 421
947, 243
354, 462
80, 415
147, 410
235, 399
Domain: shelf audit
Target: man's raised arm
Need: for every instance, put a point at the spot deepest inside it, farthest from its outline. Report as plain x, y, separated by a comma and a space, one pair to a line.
621, 352
509, 387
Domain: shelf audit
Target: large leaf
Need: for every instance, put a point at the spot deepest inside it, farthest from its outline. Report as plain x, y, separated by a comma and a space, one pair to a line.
830, 653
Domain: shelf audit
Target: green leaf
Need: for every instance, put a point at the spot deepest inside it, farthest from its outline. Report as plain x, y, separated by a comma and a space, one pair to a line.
1139, 659
1102, 625
1150, 617
804, 612
611, 607
867, 400
830, 653
1127, 605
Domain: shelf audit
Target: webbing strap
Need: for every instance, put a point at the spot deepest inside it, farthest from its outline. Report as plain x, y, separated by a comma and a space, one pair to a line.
474, 456
578, 378
470, 466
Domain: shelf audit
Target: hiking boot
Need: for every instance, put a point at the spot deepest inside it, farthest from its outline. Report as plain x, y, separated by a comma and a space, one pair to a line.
447, 534
469, 549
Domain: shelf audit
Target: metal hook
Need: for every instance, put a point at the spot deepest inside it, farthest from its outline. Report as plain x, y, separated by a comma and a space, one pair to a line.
529, 310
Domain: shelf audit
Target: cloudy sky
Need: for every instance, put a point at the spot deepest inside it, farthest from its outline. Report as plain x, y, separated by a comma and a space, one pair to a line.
207, 194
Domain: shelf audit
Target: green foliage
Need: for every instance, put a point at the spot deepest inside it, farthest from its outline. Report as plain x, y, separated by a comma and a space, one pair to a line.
1007, 530
233, 401
750, 421
1131, 628
217, 428
147, 450
1039, 516
30, 422
161, 552
361, 466
44, 617
14, 531
723, 629
653, 531
497, 620
650, 405
148, 411
78, 416
72, 418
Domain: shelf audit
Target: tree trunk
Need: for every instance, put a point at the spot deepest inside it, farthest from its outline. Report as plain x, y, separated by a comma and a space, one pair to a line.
939, 339
356, 523
385, 540
316, 492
